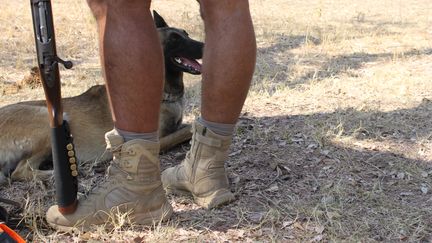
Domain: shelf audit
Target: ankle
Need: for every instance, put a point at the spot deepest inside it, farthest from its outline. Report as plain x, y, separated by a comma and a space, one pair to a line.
218, 128
127, 136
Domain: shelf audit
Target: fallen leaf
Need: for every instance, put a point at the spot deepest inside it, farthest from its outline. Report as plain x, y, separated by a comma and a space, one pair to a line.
85, 236
138, 239
235, 179
333, 215
328, 186
286, 168
240, 233
317, 238
325, 152
273, 188
273, 164
279, 171
237, 233
287, 223
298, 226
297, 140
319, 229
282, 144
328, 199
256, 217
235, 153
312, 146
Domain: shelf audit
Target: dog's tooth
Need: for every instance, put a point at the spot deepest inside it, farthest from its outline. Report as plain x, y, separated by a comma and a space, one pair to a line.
178, 60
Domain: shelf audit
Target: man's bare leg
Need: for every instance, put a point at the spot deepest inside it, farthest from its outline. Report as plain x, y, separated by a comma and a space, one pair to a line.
131, 58
229, 58
228, 64
133, 68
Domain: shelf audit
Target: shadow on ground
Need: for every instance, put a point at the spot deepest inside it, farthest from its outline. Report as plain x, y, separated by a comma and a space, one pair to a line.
292, 184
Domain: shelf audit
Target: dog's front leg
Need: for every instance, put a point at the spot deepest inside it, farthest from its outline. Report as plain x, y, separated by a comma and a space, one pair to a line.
182, 135
28, 169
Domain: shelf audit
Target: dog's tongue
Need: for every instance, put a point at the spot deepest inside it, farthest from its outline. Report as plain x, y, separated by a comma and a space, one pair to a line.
192, 63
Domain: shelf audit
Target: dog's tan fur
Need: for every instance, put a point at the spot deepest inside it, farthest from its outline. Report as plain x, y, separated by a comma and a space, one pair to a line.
25, 140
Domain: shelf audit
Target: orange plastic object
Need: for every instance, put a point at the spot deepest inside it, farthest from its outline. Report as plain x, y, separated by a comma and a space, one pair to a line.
11, 233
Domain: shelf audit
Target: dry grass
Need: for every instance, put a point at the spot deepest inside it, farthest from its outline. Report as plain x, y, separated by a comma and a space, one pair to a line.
335, 140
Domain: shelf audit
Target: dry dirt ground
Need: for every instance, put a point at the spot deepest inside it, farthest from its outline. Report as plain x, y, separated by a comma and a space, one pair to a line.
334, 143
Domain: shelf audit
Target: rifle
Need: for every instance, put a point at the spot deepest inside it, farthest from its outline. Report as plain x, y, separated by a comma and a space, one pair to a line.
63, 153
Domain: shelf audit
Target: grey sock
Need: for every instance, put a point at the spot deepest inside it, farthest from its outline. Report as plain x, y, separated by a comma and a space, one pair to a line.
218, 128
127, 136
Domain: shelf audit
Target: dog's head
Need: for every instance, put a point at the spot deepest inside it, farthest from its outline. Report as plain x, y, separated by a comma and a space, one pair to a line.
180, 51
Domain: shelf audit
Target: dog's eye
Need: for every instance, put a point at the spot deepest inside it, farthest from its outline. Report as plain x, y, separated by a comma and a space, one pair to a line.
175, 37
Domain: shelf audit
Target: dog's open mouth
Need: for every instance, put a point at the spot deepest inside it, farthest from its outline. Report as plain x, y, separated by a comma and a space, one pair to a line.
189, 65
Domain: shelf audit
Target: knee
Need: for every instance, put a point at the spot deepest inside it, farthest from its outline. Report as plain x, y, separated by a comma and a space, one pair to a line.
220, 9
99, 8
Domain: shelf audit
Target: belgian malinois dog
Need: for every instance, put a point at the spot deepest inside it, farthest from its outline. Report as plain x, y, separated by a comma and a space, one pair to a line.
24, 130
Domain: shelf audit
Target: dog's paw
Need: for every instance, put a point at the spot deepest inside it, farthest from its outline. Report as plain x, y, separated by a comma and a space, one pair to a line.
30, 174
43, 174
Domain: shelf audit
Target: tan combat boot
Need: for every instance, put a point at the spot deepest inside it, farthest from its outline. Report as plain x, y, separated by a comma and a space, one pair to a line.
132, 186
202, 173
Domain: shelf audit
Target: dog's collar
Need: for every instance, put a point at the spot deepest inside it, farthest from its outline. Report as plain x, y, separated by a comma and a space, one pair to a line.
171, 97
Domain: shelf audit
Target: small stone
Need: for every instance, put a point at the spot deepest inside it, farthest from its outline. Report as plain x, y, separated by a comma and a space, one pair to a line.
273, 188
424, 189
317, 238
327, 199
325, 152
312, 146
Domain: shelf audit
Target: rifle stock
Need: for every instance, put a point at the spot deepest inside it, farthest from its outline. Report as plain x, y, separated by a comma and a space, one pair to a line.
64, 160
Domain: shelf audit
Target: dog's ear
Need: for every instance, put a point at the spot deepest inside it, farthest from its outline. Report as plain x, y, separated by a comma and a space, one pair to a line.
159, 21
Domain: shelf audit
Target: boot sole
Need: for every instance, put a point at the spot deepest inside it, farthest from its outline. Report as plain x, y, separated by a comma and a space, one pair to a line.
149, 218
216, 199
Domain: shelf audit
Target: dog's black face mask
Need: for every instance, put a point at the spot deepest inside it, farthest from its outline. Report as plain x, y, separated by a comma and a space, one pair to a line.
180, 51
